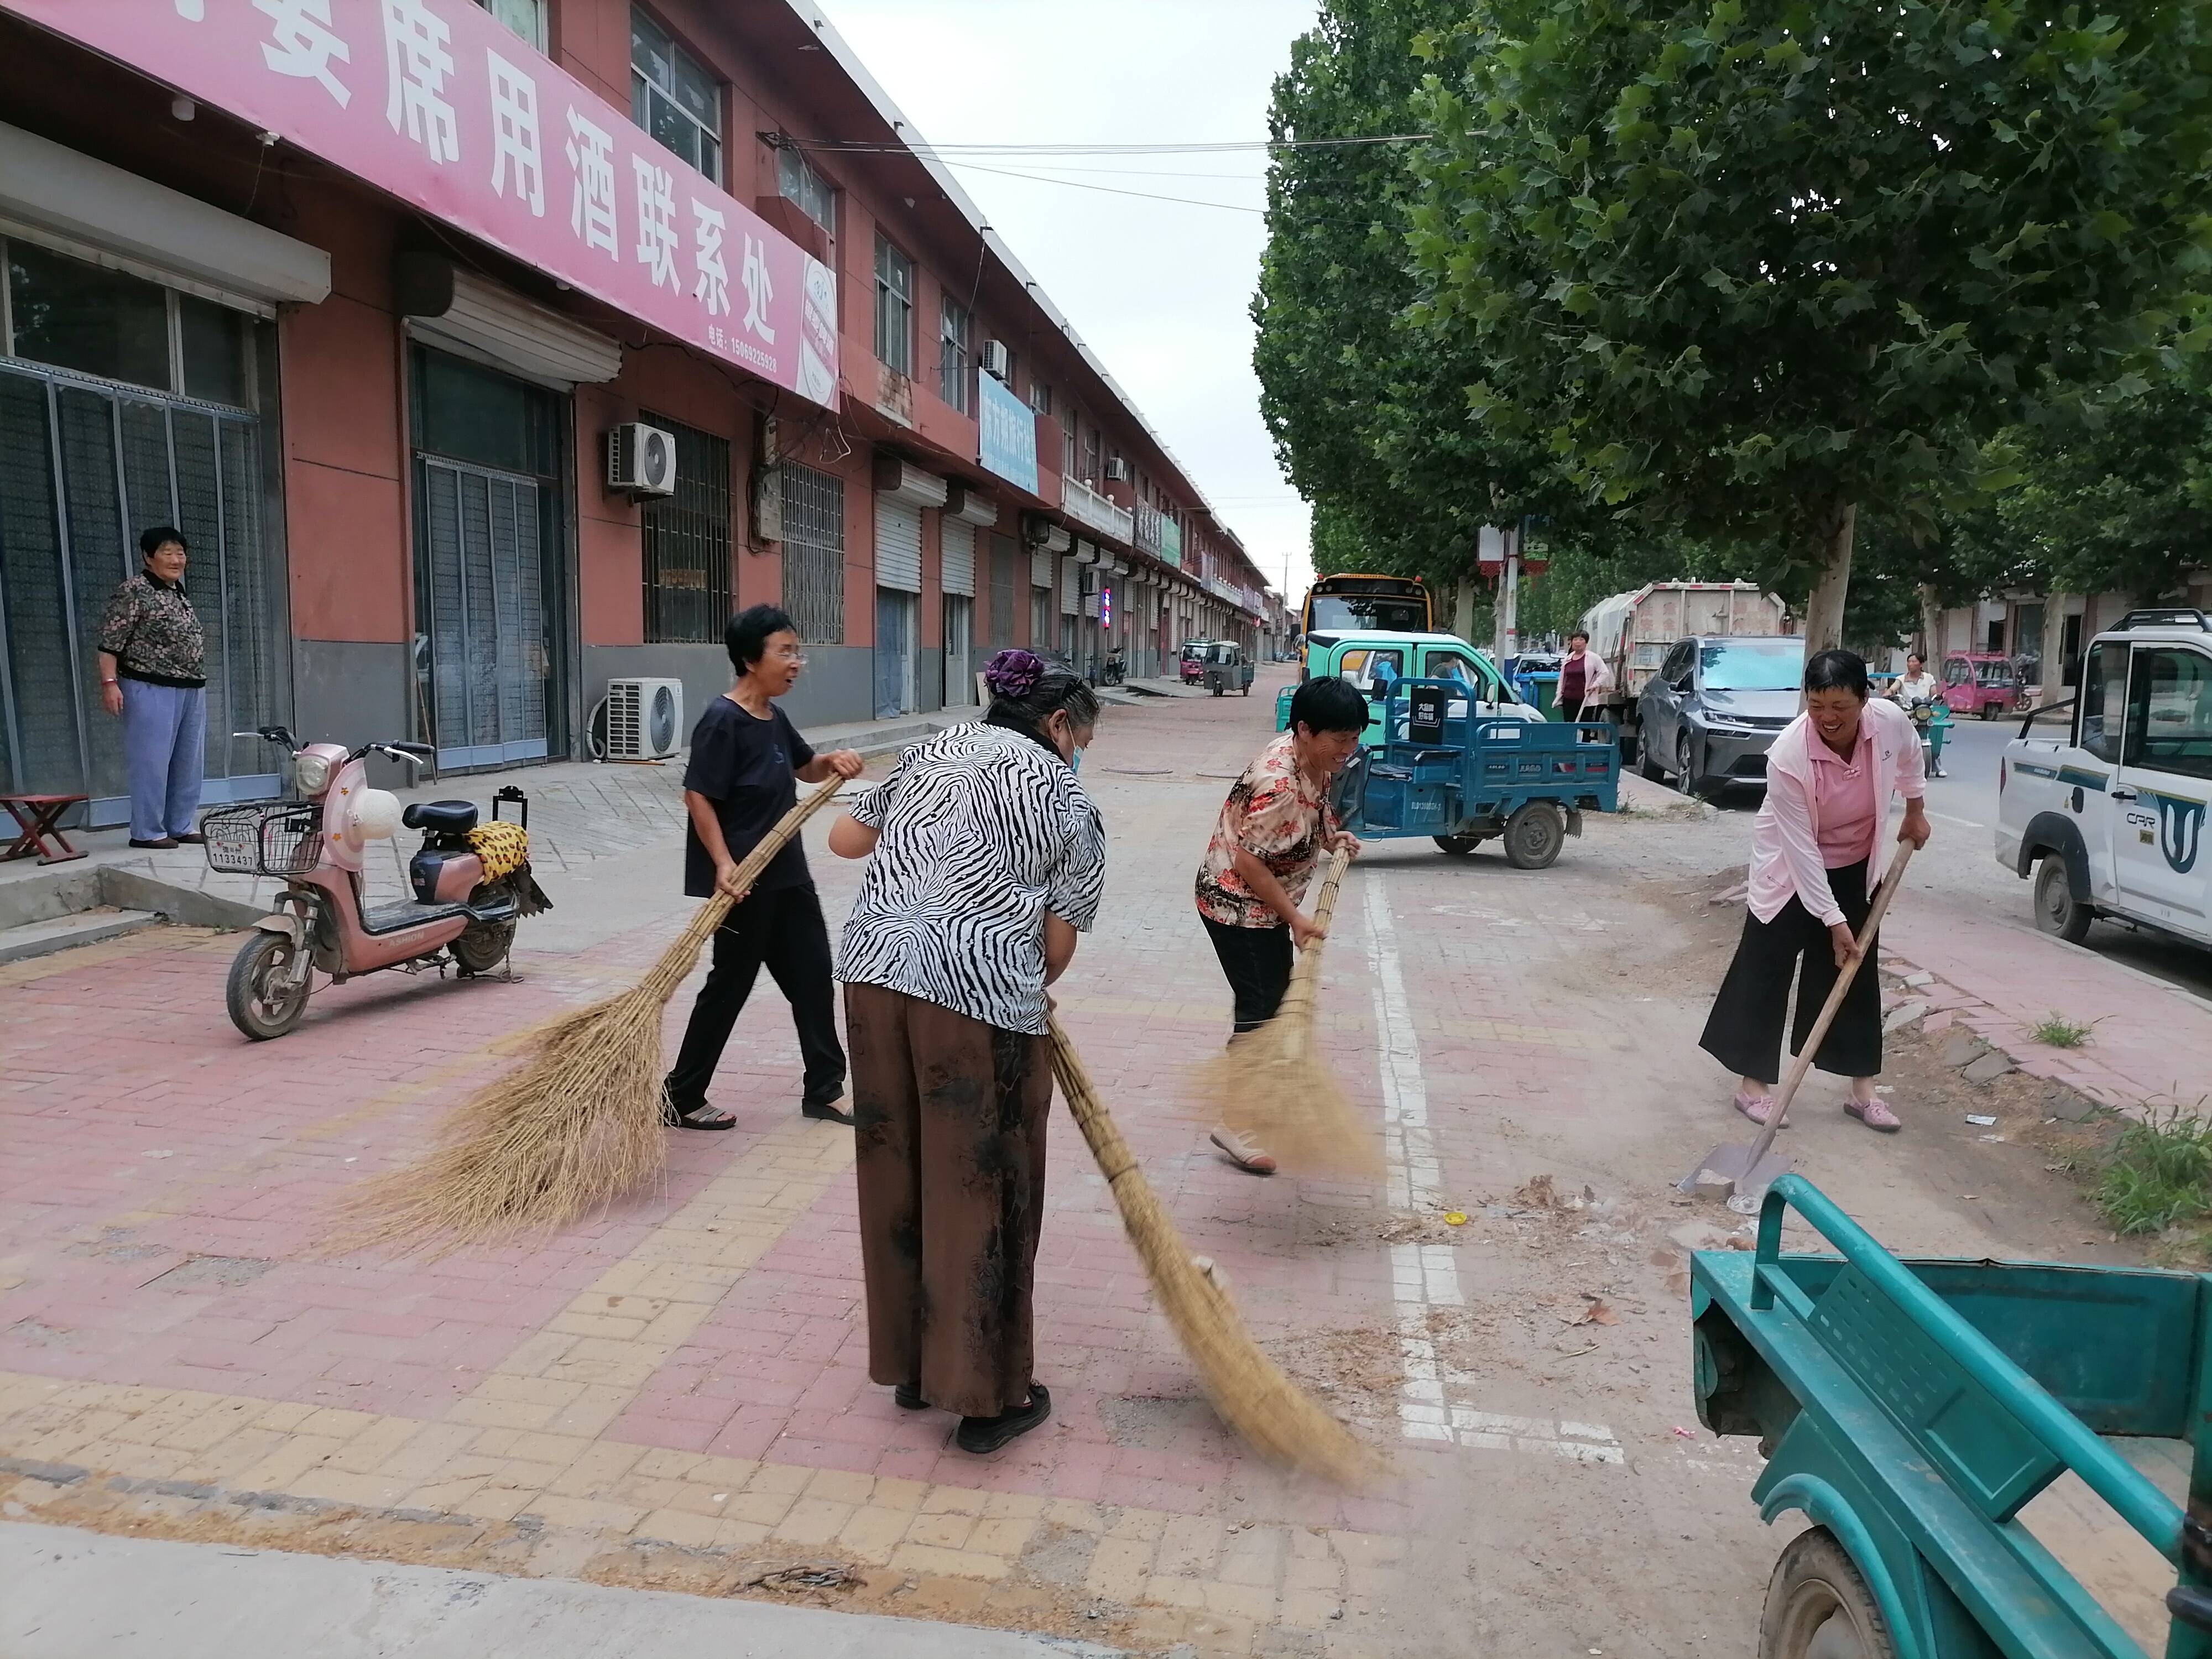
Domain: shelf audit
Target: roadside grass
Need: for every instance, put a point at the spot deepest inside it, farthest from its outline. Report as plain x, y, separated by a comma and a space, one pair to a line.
2056, 1031
2157, 1178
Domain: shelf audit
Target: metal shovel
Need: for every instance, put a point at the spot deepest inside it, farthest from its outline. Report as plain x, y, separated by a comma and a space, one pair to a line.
1743, 1174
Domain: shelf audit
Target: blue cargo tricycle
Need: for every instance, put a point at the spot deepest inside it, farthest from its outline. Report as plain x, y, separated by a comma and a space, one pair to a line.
1910, 1410
1462, 778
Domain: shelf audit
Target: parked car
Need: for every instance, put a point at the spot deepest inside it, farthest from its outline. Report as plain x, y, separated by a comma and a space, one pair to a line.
1983, 682
2102, 801
1714, 704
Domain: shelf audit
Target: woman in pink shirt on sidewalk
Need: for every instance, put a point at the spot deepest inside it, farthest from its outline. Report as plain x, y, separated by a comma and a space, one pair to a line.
1817, 853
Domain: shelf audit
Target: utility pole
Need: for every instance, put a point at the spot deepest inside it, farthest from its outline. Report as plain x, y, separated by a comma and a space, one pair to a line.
1509, 598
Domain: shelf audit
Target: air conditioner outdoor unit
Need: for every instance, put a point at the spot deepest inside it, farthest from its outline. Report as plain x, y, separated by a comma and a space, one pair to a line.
998, 362
1117, 470
640, 459
644, 719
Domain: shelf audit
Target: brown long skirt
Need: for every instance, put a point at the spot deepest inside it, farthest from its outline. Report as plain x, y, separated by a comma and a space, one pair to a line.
949, 1117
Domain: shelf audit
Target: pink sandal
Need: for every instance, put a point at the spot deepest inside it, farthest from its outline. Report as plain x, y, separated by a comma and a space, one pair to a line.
1874, 1115
1758, 1108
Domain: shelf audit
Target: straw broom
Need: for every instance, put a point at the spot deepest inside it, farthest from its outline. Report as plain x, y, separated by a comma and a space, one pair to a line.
577, 1126
1253, 1396
1274, 1086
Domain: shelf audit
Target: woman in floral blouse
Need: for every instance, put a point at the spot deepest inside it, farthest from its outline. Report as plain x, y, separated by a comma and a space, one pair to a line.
1272, 830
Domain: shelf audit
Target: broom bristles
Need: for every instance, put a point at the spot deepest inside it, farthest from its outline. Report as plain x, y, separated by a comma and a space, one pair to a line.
1274, 1086
1258, 1402
575, 1127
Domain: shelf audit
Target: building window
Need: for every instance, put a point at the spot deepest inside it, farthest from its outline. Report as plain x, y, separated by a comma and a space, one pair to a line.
1045, 607
796, 181
1090, 457
952, 354
525, 17
814, 552
672, 97
894, 308
1040, 397
687, 543
72, 315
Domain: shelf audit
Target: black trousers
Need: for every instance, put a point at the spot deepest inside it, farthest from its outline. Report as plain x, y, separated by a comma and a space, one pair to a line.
1744, 1030
1257, 961
782, 930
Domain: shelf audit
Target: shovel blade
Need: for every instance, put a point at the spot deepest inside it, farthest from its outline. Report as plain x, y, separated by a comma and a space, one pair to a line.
1718, 1171
1751, 1186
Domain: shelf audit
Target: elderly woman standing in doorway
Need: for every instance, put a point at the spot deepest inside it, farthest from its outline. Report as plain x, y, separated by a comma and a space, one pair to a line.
987, 860
153, 673
1817, 853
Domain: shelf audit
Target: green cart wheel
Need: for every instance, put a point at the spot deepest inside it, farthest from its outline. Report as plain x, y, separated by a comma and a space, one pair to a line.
1817, 1607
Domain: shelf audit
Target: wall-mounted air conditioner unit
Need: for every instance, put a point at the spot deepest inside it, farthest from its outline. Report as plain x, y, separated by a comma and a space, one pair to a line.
998, 362
644, 719
1117, 470
640, 459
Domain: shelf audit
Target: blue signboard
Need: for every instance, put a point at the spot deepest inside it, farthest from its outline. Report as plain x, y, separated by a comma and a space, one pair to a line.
1007, 441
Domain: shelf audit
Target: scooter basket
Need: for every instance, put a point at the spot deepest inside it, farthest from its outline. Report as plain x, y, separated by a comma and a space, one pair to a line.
284, 840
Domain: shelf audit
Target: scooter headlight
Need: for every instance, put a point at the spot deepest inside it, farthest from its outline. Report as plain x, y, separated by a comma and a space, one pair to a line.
312, 773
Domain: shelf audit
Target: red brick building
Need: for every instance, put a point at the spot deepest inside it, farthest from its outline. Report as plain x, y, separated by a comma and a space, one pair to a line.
359, 292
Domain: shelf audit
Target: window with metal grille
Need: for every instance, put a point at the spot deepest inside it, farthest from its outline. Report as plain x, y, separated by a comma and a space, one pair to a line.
687, 542
952, 354
894, 308
673, 98
814, 553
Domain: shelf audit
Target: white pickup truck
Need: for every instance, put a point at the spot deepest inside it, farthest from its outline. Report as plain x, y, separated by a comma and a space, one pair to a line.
2103, 800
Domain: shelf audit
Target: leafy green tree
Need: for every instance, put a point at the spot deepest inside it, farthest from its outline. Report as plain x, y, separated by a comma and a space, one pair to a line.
1364, 410
1749, 266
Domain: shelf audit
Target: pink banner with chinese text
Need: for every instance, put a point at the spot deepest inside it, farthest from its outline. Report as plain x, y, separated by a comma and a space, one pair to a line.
437, 103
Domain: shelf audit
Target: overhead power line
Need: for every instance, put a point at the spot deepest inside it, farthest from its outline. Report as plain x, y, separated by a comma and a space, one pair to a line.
927, 151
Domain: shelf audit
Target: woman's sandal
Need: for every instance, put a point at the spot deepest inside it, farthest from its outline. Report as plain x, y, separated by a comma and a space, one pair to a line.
1758, 1108
1242, 1153
1874, 1115
701, 1116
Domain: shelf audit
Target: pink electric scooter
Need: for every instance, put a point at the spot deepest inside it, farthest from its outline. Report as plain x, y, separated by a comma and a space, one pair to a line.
471, 881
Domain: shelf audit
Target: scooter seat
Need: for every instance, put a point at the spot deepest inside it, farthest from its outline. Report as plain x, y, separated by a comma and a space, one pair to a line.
446, 816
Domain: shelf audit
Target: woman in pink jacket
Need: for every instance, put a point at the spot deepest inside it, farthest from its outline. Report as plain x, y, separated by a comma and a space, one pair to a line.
1818, 851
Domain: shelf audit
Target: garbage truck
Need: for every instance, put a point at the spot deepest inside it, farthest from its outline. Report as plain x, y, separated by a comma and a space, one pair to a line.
1632, 633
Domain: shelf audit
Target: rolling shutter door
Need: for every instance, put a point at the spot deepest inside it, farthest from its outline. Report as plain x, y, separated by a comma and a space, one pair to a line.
1071, 587
899, 544
958, 575
1041, 572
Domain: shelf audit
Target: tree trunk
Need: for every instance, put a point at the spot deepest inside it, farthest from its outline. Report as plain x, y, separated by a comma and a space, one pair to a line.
2054, 645
1931, 627
1463, 608
1824, 611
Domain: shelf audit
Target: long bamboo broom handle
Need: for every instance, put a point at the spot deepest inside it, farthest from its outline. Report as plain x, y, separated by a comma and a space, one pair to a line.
1803, 1063
683, 956
1305, 976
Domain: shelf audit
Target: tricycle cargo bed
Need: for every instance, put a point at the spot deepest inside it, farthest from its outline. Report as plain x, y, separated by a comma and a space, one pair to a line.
1915, 1410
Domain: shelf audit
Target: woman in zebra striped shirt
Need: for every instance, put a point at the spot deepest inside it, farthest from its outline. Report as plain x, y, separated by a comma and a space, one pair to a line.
988, 858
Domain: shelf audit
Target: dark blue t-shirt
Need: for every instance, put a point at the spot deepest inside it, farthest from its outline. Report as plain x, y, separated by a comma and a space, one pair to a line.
745, 764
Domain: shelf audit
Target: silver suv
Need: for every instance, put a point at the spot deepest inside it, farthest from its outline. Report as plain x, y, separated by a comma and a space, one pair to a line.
1719, 700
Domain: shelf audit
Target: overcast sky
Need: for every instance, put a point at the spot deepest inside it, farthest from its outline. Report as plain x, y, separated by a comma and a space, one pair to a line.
1161, 291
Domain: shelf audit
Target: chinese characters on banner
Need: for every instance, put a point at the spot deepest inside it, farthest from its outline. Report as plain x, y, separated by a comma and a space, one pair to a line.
435, 102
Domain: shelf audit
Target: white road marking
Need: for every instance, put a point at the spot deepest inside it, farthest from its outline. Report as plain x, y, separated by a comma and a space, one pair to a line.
1964, 824
1435, 1402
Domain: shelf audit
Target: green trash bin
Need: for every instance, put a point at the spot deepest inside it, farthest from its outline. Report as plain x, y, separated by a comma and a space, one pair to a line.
1540, 690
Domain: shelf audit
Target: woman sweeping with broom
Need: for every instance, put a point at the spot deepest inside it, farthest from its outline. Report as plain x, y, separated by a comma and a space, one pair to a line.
1816, 855
1272, 830
988, 858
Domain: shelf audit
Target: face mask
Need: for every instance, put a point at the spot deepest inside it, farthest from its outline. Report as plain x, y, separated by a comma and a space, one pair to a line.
1076, 764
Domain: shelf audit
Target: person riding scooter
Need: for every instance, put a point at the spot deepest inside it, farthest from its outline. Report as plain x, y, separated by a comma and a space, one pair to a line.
1920, 695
